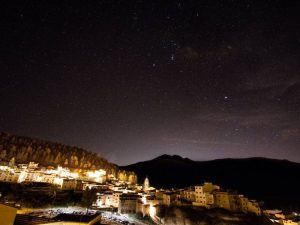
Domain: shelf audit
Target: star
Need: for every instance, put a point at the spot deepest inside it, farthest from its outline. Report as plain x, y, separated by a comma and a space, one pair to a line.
172, 57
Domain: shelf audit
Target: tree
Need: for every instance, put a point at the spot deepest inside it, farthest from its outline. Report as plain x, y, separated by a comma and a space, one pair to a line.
88, 198
66, 162
3, 154
12, 162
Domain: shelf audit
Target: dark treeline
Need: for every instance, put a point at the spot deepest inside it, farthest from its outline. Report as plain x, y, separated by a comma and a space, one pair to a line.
47, 153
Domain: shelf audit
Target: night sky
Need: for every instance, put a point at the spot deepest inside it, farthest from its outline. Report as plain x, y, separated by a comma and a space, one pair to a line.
132, 80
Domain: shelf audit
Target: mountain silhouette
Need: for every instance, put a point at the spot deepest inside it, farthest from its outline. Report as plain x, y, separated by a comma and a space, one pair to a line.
272, 181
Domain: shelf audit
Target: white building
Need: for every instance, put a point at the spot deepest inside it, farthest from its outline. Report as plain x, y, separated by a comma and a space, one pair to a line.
116, 199
146, 185
8, 176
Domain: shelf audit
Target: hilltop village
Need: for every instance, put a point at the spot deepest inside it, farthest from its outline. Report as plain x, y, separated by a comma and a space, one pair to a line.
119, 194
123, 194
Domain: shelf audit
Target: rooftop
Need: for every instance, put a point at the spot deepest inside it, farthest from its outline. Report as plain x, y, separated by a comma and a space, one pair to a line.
75, 217
30, 220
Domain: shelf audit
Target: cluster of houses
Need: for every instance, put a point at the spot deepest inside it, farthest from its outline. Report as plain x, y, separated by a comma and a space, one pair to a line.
62, 177
129, 197
33, 173
145, 199
210, 196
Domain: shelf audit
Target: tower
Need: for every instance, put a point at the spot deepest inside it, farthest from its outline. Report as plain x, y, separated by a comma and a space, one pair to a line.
146, 184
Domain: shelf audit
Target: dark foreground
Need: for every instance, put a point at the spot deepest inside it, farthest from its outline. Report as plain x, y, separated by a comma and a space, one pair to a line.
188, 215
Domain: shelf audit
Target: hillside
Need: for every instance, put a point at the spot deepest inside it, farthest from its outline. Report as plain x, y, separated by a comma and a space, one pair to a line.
46, 153
269, 180
197, 215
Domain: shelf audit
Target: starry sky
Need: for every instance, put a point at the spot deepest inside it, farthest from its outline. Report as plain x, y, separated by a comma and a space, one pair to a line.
132, 80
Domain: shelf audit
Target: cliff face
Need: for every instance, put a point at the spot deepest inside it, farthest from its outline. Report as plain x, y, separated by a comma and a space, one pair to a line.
46, 153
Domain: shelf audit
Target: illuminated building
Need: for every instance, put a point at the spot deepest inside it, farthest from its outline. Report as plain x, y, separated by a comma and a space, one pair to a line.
287, 222
222, 200
200, 196
146, 185
128, 203
169, 198
8, 176
98, 176
210, 187
188, 194
235, 202
116, 199
100, 201
69, 184
22, 176
147, 205
249, 206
